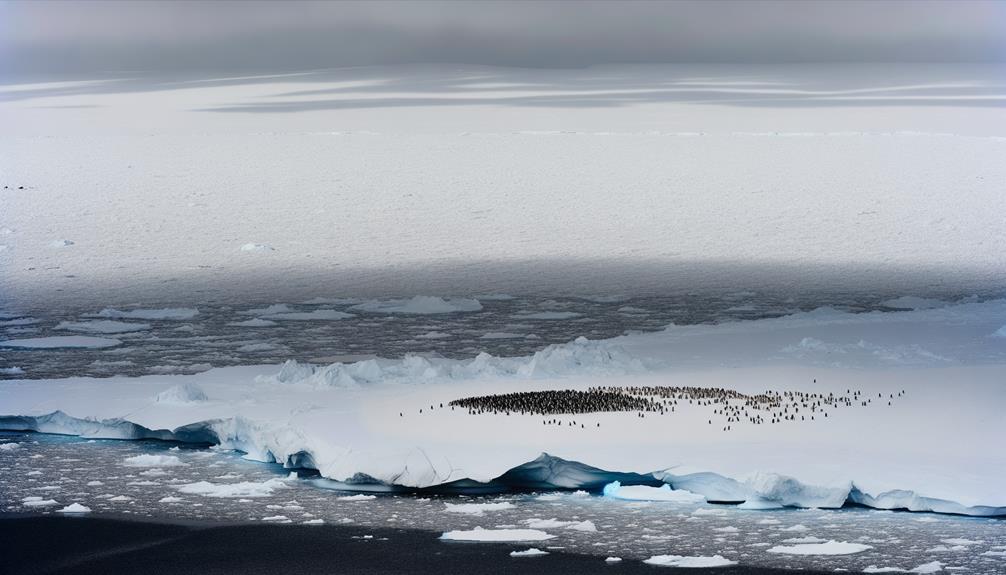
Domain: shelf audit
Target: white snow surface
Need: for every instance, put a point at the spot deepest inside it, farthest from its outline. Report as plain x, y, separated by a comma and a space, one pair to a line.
934, 449
442, 168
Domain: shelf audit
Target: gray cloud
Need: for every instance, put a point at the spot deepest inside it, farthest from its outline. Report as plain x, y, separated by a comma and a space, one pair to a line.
79, 36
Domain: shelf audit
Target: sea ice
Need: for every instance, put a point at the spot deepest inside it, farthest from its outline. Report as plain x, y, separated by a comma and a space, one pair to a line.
503, 535
683, 561
74, 508
532, 552
149, 460
357, 497
827, 548
233, 490
477, 508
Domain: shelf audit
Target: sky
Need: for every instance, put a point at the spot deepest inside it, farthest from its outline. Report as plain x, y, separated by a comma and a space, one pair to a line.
84, 36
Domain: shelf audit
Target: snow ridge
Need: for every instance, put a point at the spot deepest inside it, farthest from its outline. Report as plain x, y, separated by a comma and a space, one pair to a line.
582, 356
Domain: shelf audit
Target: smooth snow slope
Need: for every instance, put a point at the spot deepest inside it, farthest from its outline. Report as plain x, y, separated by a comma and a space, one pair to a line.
936, 448
466, 179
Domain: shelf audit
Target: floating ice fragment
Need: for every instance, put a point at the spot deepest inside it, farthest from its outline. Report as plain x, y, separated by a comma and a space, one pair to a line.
480, 534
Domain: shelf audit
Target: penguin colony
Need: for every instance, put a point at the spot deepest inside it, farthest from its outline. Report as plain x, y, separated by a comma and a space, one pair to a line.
729, 406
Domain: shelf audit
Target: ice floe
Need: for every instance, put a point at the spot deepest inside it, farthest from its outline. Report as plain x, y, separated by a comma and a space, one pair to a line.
494, 535
685, 561
243, 489
149, 460
830, 547
74, 508
532, 552
477, 508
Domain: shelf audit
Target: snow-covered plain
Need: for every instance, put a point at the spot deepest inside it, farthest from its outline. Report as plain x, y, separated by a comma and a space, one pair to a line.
469, 179
379, 424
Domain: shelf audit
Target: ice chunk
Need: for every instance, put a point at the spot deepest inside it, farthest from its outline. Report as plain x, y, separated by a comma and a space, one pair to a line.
357, 497
233, 490
477, 508
684, 561
74, 508
532, 552
480, 534
9, 446
827, 548
645, 493
148, 460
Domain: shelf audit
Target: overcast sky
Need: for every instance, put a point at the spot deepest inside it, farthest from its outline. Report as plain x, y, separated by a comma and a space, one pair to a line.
80, 36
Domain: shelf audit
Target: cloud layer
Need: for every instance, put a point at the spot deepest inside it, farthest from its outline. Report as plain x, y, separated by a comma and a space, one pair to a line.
241, 35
